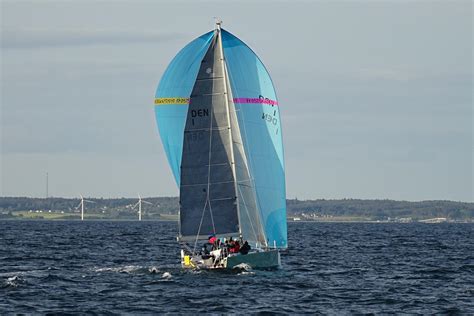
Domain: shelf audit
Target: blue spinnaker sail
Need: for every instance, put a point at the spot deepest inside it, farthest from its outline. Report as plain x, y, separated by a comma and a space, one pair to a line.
259, 119
171, 98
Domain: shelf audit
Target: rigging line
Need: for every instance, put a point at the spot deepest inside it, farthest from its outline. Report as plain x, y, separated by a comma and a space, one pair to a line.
209, 170
247, 152
253, 192
243, 125
248, 213
200, 225
249, 165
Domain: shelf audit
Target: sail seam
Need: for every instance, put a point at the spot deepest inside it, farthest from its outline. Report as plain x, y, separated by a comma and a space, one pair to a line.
222, 182
207, 94
212, 164
206, 129
244, 185
201, 184
222, 199
212, 78
191, 167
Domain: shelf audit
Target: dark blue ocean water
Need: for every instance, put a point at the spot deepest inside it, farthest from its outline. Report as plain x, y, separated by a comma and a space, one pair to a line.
330, 268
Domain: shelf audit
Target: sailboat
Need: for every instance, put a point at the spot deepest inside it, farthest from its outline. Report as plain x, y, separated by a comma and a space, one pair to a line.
219, 122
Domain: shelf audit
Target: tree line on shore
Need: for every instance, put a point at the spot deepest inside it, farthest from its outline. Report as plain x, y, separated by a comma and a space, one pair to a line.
373, 209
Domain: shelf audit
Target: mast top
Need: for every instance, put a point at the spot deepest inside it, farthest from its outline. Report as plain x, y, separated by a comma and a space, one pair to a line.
218, 22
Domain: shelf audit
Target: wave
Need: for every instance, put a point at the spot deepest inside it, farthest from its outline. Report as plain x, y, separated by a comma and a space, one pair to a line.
136, 269
13, 281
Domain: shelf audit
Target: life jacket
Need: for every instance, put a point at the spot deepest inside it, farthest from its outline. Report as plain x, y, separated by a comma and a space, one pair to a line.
236, 248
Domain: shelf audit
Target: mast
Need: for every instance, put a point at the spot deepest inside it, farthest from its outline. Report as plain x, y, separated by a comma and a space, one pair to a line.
226, 94
218, 24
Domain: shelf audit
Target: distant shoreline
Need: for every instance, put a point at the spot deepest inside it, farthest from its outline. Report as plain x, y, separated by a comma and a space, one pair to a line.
289, 220
167, 208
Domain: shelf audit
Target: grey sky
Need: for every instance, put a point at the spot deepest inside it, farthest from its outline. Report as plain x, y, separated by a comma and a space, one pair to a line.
376, 98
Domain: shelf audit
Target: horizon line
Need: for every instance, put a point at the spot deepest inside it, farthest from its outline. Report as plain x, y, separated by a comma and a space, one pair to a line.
287, 199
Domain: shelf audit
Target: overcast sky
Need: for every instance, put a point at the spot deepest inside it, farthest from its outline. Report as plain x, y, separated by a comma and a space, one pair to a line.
376, 98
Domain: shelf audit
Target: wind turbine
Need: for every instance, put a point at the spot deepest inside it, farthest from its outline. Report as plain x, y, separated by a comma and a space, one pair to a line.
139, 203
81, 204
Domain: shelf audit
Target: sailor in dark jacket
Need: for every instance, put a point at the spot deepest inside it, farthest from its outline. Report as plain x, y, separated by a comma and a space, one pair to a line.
245, 248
